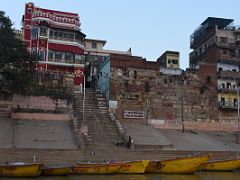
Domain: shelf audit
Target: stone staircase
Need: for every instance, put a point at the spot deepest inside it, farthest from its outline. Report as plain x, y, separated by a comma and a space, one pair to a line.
51, 157
102, 132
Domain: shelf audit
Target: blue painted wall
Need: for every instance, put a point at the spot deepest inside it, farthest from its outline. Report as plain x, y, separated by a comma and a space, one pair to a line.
104, 77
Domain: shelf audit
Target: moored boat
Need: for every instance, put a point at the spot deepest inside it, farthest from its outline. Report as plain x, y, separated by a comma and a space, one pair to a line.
132, 167
21, 170
56, 170
95, 168
124, 167
220, 165
184, 165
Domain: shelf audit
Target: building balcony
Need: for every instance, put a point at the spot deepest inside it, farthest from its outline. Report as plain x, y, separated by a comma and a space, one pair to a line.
227, 89
66, 41
228, 75
227, 105
64, 62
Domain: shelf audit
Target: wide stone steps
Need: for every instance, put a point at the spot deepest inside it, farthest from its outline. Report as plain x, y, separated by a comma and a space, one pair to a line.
119, 153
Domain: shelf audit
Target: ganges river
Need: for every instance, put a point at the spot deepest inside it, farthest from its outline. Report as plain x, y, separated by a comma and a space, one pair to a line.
196, 176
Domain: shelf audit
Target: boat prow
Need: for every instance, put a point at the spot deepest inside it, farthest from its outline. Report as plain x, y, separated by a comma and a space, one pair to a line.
220, 165
21, 169
185, 165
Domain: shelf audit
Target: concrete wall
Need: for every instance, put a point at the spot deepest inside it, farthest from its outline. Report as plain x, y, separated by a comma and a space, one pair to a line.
41, 116
38, 103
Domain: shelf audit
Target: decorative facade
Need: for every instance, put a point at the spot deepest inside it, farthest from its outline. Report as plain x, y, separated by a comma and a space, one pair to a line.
56, 37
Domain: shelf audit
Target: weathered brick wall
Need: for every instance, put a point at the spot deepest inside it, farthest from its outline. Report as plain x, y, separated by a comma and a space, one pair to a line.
159, 96
38, 102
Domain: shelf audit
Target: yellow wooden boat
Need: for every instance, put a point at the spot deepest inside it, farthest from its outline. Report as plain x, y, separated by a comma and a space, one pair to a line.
132, 167
95, 168
56, 170
125, 167
220, 165
185, 165
21, 170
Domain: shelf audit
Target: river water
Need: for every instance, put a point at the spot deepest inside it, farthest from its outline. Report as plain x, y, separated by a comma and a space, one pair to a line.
196, 176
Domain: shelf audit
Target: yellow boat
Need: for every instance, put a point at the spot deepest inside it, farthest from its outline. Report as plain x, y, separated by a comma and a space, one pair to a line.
56, 170
21, 170
221, 165
185, 165
95, 168
124, 167
132, 167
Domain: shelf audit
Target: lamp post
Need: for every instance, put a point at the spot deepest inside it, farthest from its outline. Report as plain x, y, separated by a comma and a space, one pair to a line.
238, 133
84, 82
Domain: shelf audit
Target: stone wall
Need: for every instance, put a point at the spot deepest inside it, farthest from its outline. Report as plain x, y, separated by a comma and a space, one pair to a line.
146, 91
41, 116
38, 103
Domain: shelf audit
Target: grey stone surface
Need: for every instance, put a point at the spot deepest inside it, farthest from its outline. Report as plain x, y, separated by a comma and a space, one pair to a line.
145, 135
203, 141
6, 133
36, 134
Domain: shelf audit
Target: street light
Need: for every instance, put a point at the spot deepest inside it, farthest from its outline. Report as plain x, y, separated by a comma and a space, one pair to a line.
84, 82
238, 133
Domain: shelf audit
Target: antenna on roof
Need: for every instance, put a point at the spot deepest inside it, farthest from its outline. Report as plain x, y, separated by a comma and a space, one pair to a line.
129, 50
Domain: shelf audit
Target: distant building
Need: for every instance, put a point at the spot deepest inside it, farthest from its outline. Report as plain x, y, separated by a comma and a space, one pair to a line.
216, 56
57, 38
95, 56
169, 59
169, 63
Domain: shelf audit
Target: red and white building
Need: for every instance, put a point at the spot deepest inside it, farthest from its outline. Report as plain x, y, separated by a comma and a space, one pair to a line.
56, 37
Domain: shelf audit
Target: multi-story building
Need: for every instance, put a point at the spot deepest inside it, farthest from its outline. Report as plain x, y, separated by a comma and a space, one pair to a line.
57, 38
169, 63
95, 56
216, 55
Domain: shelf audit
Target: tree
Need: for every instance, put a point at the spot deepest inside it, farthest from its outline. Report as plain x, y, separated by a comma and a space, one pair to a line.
16, 63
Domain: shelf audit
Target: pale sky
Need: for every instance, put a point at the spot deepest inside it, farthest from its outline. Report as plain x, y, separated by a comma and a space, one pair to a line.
149, 27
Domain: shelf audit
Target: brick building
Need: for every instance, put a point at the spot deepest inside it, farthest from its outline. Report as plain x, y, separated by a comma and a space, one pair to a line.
216, 56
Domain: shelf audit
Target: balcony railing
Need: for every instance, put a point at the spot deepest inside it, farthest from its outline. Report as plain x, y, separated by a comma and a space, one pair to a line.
228, 75
70, 61
227, 89
227, 105
66, 39
60, 60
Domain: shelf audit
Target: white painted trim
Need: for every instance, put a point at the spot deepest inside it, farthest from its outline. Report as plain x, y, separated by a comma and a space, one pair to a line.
61, 64
66, 43
55, 22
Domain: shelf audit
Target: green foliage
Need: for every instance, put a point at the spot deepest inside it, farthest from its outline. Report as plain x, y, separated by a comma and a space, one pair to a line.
16, 63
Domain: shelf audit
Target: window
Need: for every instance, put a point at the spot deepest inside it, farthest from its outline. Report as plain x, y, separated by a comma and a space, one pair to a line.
223, 85
43, 31
42, 55
228, 85
223, 39
79, 59
69, 57
34, 33
135, 74
223, 101
235, 102
58, 56
208, 79
29, 10
220, 69
34, 51
51, 34
175, 61
94, 45
50, 56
